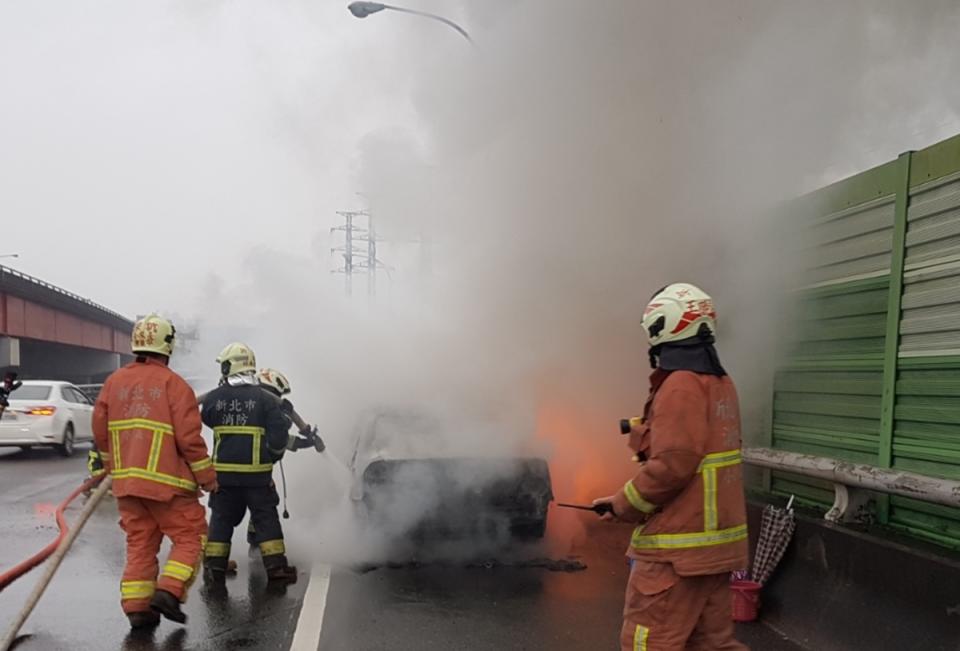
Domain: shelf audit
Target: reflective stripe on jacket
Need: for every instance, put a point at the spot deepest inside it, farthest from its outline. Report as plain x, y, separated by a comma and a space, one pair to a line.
690, 483
147, 421
249, 433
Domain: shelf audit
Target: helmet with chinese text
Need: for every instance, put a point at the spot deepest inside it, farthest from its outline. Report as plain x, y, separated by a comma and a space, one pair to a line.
153, 334
237, 358
678, 312
275, 379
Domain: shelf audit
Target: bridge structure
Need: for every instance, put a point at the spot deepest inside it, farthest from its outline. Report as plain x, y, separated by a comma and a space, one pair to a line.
47, 332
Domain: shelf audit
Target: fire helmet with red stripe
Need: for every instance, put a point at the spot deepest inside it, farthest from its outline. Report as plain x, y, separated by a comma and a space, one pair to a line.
677, 312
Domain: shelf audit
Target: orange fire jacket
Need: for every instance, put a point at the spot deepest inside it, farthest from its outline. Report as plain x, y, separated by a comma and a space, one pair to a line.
148, 422
689, 490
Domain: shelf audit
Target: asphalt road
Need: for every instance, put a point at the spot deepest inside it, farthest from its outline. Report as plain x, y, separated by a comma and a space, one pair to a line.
81, 609
493, 606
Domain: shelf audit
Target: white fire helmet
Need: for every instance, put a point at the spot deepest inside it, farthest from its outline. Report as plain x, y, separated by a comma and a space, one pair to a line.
274, 378
677, 312
153, 334
237, 358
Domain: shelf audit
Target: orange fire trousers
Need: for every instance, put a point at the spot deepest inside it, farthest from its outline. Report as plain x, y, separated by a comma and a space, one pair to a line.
667, 612
146, 522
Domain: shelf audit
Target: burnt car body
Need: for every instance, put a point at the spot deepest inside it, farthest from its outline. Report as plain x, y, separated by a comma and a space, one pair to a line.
413, 482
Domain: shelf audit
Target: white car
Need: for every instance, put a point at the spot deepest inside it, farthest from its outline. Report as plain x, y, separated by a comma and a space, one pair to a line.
47, 412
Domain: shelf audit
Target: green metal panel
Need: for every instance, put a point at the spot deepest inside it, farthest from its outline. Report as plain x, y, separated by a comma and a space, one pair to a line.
827, 395
854, 242
882, 266
892, 337
881, 181
873, 372
926, 428
892, 334
809, 492
941, 159
931, 298
926, 439
932, 522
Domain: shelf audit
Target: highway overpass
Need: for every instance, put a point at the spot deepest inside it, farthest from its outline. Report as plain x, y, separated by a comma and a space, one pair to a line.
47, 332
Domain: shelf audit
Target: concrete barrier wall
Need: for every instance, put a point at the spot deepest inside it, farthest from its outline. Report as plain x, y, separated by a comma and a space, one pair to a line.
839, 589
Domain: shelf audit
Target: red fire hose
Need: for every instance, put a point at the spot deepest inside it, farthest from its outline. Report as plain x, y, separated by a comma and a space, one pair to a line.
17, 571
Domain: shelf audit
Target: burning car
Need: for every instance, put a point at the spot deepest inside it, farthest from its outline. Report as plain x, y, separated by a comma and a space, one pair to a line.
413, 482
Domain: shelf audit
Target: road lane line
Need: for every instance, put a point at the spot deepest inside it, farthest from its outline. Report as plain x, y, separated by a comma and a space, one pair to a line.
306, 637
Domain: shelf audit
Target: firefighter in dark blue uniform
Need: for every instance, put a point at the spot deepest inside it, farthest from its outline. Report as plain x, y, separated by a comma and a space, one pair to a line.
278, 385
249, 436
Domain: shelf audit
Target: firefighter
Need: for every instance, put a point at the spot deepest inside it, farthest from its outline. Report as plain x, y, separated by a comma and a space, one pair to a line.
277, 384
147, 421
250, 434
688, 492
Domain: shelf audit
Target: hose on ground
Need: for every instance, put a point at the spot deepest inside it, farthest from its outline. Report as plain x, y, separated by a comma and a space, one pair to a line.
57, 550
20, 569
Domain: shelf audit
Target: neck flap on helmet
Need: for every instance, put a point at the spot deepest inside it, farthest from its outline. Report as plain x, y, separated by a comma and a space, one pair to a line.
696, 354
241, 379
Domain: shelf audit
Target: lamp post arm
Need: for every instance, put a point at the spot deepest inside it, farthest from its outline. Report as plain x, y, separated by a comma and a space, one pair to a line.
443, 20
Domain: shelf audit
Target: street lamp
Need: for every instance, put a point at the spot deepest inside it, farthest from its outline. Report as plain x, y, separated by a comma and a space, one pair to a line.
10, 255
364, 9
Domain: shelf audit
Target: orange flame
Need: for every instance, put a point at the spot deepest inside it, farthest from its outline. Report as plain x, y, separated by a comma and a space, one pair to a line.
589, 457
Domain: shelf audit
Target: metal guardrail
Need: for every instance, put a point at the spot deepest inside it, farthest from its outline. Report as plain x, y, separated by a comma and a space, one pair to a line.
852, 482
59, 290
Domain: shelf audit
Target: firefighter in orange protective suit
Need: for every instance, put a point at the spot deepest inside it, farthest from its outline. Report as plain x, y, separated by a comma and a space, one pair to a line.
147, 421
688, 493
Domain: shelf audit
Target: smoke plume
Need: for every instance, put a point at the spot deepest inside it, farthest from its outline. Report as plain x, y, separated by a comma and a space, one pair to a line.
550, 179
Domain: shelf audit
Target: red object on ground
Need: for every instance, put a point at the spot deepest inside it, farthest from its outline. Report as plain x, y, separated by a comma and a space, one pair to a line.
746, 600
17, 571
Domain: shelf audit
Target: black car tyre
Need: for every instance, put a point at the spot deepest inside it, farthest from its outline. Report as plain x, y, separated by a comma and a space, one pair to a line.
66, 448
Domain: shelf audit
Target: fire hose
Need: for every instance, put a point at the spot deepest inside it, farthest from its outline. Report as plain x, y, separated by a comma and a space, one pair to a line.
56, 550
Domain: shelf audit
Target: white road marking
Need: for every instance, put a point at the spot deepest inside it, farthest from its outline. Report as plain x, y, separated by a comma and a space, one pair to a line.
309, 624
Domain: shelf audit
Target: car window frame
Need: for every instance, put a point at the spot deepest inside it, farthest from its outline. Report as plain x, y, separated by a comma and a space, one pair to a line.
73, 395
86, 399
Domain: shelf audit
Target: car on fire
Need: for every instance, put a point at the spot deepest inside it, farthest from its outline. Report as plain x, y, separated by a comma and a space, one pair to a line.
412, 480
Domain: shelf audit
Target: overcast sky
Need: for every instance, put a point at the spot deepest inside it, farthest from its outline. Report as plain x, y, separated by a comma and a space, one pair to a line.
147, 143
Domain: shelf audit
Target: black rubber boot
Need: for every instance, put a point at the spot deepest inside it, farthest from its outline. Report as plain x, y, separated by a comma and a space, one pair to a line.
143, 619
282, 573
169, 606
214, 576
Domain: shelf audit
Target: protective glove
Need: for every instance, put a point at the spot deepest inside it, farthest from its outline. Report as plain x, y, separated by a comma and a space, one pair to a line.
94, 464
315, 440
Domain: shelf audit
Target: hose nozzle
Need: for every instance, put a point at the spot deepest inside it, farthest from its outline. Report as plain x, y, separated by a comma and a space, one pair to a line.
627, 425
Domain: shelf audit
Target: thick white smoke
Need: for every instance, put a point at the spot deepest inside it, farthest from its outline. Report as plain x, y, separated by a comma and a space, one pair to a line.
580, 157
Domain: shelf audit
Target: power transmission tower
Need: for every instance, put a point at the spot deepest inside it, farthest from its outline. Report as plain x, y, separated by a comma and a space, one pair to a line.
355, 258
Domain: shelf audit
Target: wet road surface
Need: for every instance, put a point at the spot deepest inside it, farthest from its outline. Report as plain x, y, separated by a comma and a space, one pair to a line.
495, 608
81, 609
417, 608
